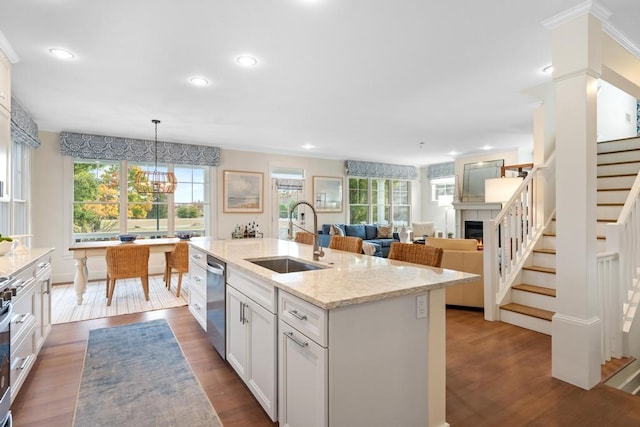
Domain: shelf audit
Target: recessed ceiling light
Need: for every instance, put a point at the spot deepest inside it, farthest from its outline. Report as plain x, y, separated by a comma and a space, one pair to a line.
308, 146
548, 69
453, 153
487, 147
247, 61
61, 53
198, 81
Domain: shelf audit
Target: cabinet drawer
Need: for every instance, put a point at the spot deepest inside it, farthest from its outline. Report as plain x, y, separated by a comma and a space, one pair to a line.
259, 291
305, 317
197, 277
197, 257
23, 301
22, 359
22, 324
198, 306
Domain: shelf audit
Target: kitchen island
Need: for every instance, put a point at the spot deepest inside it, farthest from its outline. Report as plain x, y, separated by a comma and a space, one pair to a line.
361, 341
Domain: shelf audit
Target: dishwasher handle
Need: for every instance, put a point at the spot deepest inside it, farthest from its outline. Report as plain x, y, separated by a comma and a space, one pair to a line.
215, 268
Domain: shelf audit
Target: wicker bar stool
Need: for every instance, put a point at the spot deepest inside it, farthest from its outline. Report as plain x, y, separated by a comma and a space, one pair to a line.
304, 237
417, 254
346, 243
178, 259
125, 262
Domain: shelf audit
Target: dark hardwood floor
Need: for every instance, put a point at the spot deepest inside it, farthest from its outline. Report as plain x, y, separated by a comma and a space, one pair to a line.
497, 374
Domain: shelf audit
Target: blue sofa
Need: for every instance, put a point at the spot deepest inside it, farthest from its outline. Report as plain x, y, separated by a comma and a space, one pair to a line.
367, 232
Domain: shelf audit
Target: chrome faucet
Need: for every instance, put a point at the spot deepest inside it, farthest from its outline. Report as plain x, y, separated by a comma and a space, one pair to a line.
317, 250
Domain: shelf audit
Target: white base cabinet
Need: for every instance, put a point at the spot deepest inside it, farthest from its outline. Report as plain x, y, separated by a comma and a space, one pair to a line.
251, 336
198, 286
303, 379
360, 365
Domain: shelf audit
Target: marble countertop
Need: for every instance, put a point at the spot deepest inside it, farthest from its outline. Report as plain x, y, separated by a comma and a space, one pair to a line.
349, 278
11, 263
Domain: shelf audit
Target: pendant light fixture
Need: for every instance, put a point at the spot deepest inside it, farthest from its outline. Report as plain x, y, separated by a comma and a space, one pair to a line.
155, 182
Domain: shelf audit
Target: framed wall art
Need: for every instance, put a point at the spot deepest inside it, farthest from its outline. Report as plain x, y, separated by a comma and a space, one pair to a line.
242, 192
327, 193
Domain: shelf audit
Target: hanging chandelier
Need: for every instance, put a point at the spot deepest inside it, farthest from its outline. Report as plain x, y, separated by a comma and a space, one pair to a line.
155, 182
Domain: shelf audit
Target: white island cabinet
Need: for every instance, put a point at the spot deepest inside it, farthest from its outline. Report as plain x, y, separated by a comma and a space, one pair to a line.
251, 335
360, 365
361, 339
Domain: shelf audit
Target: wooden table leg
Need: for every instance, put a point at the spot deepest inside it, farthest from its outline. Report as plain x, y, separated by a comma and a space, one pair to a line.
80, 279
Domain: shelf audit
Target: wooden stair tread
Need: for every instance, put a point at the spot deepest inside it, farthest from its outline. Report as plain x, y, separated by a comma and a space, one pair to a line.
613, 189
535, 289
529, 311
626, 162
540, 269
606, 220
616, 175
610, 204
545, 251
549, 234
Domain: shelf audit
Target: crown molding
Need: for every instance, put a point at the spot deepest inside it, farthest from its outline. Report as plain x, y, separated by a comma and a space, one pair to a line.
601, 13
7, 49
587, 7
623, 40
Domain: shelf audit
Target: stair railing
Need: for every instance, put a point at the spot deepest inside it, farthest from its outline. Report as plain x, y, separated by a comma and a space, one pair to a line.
623, 238
509, 238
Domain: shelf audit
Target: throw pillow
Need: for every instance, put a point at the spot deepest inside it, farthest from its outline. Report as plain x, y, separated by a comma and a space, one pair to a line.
355, 231
336, 230
385, 231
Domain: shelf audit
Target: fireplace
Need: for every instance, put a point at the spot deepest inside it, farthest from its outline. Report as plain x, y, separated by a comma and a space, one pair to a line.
473, 230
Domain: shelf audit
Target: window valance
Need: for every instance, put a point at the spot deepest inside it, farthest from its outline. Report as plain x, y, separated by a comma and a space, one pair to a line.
23, 128
289, 184
441, 170
100, 147
380, 170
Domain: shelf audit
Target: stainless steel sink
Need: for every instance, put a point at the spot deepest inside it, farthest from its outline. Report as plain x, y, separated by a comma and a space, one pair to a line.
285, 264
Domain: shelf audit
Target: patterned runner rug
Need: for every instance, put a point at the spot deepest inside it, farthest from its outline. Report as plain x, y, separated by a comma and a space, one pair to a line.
137, 375
128, 298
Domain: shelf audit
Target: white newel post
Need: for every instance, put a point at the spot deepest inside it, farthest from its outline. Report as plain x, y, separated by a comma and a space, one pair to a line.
576, 43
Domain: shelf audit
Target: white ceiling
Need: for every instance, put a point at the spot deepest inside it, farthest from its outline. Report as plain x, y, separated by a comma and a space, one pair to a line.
357, 79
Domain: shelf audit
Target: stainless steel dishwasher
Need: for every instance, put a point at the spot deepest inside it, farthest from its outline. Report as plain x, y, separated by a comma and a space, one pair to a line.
216, 280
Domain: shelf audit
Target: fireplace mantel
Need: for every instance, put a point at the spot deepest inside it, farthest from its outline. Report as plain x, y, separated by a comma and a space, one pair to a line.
474, 211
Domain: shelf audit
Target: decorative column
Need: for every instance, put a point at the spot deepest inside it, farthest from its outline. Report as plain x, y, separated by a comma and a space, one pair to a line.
576, 47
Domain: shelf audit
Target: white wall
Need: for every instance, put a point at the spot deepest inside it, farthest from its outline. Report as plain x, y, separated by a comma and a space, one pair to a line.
617, 113
53, 197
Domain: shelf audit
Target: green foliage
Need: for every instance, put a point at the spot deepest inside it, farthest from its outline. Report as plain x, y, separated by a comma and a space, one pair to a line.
189, 211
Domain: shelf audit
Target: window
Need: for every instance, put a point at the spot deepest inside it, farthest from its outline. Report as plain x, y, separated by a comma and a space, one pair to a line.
14, 213
100, 196
358, 200
442, 187
191, 199
378, 200
96, 199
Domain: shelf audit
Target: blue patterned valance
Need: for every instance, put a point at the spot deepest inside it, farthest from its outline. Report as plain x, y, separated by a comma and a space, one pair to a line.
380, 170
98, 147
289, 184
441, 170
23, 128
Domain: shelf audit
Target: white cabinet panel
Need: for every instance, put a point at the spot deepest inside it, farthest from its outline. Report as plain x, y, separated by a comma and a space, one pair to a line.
251, 347
303, 380
236, 331
5, 82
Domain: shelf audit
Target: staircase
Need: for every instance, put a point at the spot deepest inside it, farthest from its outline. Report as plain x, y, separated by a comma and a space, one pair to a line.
532, 299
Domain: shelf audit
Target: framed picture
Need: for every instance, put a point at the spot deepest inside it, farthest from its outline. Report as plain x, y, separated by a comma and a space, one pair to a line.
242, 192
327, 193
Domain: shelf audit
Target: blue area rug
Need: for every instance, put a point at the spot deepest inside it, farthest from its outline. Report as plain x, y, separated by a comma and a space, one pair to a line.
136, 375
